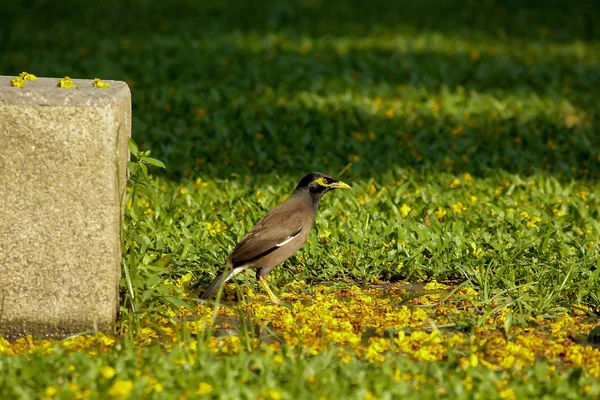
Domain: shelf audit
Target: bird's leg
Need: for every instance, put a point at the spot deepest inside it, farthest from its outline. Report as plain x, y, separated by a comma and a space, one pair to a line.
265, 286
262, 281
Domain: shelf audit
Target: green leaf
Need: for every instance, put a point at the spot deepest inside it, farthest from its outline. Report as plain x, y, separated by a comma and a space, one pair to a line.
154, 161
133, 167
133, 148
174, 301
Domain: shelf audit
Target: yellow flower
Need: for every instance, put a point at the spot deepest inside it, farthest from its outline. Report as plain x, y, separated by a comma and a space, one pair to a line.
473, 360
389, 113
154, 386
454, 184
274, 394
468, 382
204, 388
405, 210
184, 280
66, 83
122, 388
107, 372
508, 394
440, 213
533, 221
370, 396
26, 76
51, 391
477, 252
458, 207
99, 84
105, 340
17, 82
508, 361
468, 178
435, 285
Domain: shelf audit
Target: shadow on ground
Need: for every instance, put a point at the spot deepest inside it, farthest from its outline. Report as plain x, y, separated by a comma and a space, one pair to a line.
265, 87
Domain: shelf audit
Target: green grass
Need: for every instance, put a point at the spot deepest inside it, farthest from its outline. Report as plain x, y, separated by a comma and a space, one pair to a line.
248, 376
240, 101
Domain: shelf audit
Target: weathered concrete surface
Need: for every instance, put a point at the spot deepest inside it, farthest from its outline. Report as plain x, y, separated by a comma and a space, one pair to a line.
63, 155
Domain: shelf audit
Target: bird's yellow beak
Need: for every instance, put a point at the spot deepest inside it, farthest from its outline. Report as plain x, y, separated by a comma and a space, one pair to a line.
340, 185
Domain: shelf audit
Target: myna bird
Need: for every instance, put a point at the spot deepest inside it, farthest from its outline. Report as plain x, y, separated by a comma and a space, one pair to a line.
279, 234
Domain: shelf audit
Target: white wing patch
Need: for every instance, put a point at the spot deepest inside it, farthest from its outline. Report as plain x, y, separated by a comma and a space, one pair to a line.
234, 272
290, 238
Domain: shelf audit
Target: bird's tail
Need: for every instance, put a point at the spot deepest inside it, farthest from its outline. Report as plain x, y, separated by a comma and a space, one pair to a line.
218, 281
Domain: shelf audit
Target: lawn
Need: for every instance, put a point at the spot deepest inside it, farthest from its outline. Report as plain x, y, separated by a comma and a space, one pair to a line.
463, 264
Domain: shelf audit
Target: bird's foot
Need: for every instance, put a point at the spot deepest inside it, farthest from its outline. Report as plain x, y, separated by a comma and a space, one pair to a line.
272, 296
277, 301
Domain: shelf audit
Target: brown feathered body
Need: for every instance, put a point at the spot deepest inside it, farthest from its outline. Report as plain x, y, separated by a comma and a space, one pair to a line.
262, 247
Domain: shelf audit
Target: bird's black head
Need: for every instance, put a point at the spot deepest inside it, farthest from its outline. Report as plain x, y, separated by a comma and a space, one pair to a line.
318, 184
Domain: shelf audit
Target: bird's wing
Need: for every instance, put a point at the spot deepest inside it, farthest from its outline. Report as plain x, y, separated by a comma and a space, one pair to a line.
275, 230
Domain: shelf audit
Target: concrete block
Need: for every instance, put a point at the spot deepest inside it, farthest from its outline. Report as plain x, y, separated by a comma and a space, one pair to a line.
63, 156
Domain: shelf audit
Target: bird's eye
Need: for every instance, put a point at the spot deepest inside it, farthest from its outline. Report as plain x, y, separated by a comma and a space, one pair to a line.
326, 181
